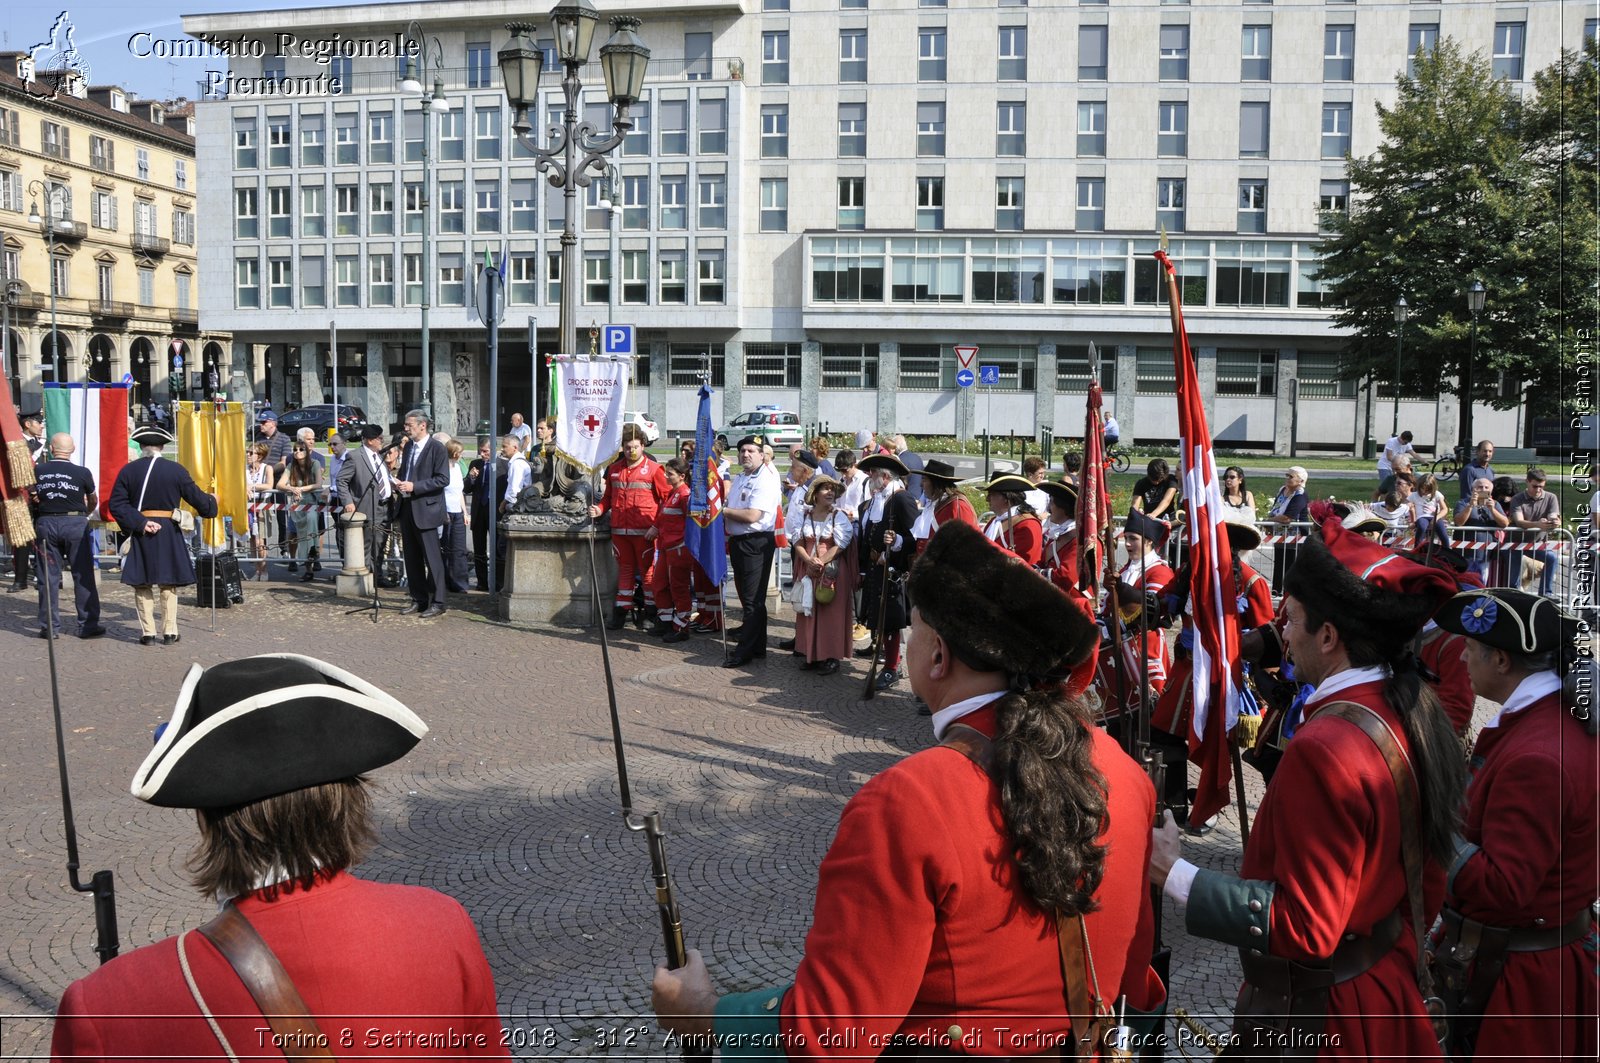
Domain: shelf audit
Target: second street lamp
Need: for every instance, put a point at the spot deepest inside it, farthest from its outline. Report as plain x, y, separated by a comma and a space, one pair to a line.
1401, 312
53, 194
1475, 297
577, 154
425, 56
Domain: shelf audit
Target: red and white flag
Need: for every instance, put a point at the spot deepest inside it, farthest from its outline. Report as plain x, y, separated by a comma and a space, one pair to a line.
1212, 595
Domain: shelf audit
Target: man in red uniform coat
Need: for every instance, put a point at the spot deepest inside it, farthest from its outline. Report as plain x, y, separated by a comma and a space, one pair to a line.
927, 925
1323, 895
635, 490
270, 750
1522, 884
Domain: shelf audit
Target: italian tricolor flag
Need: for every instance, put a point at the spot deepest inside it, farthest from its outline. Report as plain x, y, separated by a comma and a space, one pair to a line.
96, 416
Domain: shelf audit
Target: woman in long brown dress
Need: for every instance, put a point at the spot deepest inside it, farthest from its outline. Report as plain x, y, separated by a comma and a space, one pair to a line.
821, 540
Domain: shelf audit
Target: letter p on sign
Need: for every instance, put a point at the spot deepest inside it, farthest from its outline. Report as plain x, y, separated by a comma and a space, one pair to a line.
618, 339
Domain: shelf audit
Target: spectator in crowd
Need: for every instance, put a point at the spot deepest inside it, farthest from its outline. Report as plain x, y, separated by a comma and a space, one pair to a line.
522, 434
337, 455
823, 552
855, 483
1290, 506
482, 510
279, 447
1507, 564
1072, 468
803, 466
1156, 492
1035, 470
1538, 511
1478, 468
1386, 485
63, 496
258, 485
456, 518
750, 516
517, 472
1427, 507
1480, 511
1397, 447
1394, 506
819, 447
309, 438
302, 487
913, 462
1238, 502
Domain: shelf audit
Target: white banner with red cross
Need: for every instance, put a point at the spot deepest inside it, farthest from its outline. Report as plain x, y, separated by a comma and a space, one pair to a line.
593, 396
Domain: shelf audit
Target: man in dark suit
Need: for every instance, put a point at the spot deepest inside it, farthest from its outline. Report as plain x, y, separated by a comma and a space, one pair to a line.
484, 468
363, 485
424, 472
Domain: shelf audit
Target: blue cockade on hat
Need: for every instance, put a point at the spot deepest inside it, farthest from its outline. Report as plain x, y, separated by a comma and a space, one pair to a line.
1479, 615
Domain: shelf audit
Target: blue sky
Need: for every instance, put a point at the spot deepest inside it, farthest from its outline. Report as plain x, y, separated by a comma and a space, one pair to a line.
103, 30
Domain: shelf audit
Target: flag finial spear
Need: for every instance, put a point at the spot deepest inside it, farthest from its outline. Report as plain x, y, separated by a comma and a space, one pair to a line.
1164, 241
1094, 361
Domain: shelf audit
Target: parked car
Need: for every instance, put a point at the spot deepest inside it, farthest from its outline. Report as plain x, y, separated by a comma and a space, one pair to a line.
651, 430
781, 428
319, 418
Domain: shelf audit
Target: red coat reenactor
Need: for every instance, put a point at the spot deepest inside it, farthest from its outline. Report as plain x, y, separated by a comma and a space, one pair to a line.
635, 490
1516, 958
946, 503
672, 579
1439, 653
1337, 882
1015, 527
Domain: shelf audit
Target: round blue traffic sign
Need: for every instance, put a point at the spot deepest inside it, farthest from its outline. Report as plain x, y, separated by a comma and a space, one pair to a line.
964, 377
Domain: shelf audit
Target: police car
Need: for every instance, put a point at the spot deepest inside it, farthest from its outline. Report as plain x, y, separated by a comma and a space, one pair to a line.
780, 427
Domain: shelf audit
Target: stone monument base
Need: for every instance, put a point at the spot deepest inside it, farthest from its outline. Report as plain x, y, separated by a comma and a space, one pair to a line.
547, 572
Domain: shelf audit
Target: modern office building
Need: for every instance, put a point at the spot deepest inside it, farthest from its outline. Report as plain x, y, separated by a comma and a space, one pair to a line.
821, 199
98, 229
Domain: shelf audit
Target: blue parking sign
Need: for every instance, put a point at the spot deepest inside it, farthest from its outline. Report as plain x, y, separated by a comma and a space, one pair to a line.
988, 374
618, 339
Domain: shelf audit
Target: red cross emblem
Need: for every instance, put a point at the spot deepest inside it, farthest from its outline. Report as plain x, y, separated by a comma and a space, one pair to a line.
591, 421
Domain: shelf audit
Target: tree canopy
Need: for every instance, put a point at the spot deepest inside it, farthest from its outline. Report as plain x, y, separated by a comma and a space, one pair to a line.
1473, 183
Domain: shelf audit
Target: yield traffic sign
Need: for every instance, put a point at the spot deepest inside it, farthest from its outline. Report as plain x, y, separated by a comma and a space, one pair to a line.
965, 353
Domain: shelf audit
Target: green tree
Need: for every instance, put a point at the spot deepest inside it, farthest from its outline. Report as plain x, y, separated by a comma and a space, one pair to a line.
1465, 186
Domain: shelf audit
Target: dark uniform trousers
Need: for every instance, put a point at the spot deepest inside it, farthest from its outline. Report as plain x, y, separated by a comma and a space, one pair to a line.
750, 555
64, 540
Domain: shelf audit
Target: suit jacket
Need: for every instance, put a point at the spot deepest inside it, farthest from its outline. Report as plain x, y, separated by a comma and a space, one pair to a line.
429, 474
500, 469
357, 483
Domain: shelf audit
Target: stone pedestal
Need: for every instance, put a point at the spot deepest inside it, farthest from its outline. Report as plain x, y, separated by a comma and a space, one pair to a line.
355, 579
548, 577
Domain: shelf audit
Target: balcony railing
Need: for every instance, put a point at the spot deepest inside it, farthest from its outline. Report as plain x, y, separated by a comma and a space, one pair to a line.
151, 245
101, 163
57, 151
10, 139
67, 229
185, 318
111, 308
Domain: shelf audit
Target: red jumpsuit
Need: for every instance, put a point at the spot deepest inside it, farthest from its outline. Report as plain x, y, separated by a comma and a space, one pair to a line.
1531, 812
1439, 652
633, 496
672, 577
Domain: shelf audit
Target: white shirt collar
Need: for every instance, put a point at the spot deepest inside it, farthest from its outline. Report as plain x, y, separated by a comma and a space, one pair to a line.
1350, 677
1531, 689
951, 713
997, 524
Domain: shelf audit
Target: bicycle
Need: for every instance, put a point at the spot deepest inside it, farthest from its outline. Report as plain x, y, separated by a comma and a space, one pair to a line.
1117, 459
1446, 467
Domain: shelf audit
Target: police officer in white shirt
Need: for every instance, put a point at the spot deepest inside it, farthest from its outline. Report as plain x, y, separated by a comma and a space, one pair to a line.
749, 519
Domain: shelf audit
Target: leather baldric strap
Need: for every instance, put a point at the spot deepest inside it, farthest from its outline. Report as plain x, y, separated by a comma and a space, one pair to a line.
269, 985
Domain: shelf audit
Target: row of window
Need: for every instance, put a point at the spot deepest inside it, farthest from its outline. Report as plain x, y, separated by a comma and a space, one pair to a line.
1063, 271
662, 273
55, 141
1255, 52
107, 289
103, 209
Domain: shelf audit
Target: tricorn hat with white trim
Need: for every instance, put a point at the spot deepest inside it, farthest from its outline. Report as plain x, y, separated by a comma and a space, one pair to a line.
151, 435
250, 729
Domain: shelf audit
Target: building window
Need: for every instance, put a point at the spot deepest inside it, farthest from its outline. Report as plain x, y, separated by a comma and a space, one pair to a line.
690, 363
524, 210
272, 69
928, 270
1338, 53
380, 280
102, 154
247, 284
1253, 206
674, 209
1091, 213
674, 127
452, 135
313, 281
56, 140
61, 276
1011, 129
486, 133
852, 366
1255, 53
313, 141
280, 212
346, 139
1007, 271
1172, 129
183, 228
102, 207
852, 203
244, 143
1335, 130
711, 263
852, 130
1255, 129
1247, 372
452, 207
1092, 129
635, 277
852, 56
411, 263
853, 5
10, 127
347, 280
714, 125
1421, 40
279, 140
926, 367
932, 3
637, 140
1333, 198
1170, 195
412, 130
413, 208
142, 163
380, 136
775, 57
1074, 371
1154, 373
674, 290
523, 283
774, 5
480, 65
1508, 49
246, 214
931, 53
486, 205
380, 208
930, 128
280, 283
185, 291
313, 211
347, 210
930, 204
636, 201
452, 285
596, 277
1174, 65
713, 212
1252, 273
847, 270
772, 365
774, 205
1318, 373
107, 285
775, 131
696, 56
1008, 204
1013, 56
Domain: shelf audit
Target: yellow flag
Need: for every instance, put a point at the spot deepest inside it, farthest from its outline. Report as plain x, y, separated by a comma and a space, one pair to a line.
211, 447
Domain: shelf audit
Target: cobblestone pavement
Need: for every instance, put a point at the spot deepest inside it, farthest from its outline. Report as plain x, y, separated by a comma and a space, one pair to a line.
510, 804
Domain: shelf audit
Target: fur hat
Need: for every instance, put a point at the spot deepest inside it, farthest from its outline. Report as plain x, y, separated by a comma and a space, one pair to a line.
1369, 593
995, 611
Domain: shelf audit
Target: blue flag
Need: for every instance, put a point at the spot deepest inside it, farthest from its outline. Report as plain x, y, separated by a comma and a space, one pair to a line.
702, 532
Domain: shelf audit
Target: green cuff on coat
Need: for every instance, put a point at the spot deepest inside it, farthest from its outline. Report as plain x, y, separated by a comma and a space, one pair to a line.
746, 1025
1235, 911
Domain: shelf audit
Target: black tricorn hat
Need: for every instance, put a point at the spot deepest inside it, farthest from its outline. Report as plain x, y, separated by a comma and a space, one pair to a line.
941, 471
151, 435
887, 462
246, 730
1152, 529
1063, 495
1009, 484
1509, 620
1242, 536
994, 610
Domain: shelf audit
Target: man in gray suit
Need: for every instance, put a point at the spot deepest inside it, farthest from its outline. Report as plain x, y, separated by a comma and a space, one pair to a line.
424, 473
363, 485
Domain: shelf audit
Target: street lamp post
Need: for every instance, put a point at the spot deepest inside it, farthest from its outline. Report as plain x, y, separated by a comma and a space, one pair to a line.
424, 56
37, 188
1401, 312
576, 148
13, 292
1475, 297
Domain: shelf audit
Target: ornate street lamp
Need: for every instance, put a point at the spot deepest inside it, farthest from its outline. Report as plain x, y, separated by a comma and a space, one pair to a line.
1476, 294
577, 153
1401, 312
424, 65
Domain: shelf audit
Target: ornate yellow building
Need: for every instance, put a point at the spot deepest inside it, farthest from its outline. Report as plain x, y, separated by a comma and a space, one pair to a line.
97, 238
